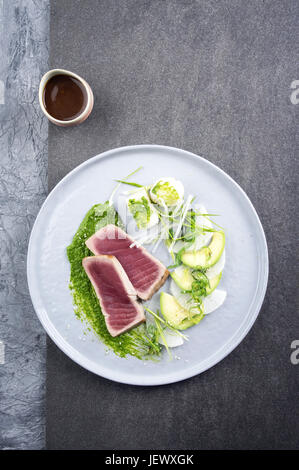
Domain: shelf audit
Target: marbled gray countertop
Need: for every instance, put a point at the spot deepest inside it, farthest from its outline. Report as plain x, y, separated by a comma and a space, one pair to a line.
23, 187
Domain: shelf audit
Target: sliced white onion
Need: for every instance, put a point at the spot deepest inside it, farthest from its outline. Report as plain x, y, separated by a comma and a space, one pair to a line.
202, 239
178, 229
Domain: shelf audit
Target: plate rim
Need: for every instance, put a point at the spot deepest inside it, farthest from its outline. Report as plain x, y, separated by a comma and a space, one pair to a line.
128, 378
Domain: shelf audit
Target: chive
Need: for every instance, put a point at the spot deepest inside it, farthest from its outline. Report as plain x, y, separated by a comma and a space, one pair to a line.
173, 266
163, 338
131, 184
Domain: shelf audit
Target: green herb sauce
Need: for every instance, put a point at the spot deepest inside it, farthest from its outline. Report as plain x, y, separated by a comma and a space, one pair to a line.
141, 211
166, 192
139, 342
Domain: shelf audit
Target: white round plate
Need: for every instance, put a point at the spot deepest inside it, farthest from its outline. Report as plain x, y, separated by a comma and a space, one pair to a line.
245, 274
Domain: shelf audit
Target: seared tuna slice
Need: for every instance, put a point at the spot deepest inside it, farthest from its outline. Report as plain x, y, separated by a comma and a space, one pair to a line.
115, 292
145, 272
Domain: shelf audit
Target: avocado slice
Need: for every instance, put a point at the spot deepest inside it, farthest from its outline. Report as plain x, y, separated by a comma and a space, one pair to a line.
213, 283
207, 256
175, 314
188, 322
183, 278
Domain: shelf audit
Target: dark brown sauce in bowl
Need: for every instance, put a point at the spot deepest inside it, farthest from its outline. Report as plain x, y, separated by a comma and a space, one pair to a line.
65, 97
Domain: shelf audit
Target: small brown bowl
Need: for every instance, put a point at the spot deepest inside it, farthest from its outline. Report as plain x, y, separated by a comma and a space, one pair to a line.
86, 111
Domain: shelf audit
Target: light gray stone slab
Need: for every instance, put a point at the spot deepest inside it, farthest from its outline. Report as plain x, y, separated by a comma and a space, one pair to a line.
23, 187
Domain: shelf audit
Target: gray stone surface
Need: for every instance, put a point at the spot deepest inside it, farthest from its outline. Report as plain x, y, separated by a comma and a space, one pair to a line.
23, 186
214, 78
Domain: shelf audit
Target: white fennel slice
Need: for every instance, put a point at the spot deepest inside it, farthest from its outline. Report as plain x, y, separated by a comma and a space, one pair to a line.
210, 303
172, 338
217, 268
202, 239
213, 301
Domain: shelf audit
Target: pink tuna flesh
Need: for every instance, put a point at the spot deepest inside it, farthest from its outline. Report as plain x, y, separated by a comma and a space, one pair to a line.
115, 292
146, 273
